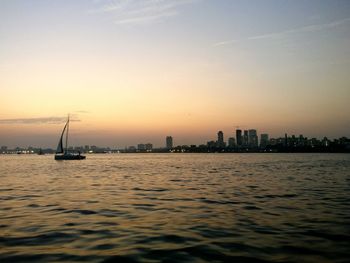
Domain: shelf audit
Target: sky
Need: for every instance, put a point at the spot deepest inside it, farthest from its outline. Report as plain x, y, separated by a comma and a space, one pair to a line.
136, 71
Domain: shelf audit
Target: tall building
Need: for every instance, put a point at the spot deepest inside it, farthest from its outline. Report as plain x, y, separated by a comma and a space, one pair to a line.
245, 138
252, 138
239, 137
169, 142
264, 140
285, 144
231, 142
220, 141
302, 140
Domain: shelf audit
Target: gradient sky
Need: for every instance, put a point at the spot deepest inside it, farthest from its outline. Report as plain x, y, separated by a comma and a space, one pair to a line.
134, 71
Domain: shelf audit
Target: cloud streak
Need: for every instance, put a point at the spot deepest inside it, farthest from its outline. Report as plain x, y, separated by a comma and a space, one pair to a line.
41, 120
141, 11
287, 33
82, 111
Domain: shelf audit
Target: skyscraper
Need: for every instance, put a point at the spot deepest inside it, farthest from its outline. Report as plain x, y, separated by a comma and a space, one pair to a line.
264, 140
220, 141
169, 142
285, 140
245, 139
239, 137
252, 138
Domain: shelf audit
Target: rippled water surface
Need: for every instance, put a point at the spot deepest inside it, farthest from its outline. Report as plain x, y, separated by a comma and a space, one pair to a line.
176, 208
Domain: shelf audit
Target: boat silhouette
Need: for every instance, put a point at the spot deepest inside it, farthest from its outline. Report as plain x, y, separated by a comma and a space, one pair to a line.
62, 153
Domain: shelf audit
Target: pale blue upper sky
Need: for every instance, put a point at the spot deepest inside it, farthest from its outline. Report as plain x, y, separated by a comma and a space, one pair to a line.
278, 66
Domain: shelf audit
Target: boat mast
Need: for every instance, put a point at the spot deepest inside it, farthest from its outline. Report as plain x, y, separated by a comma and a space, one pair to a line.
67, 134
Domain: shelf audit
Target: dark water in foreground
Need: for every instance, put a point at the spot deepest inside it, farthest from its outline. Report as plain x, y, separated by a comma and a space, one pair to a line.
176, 208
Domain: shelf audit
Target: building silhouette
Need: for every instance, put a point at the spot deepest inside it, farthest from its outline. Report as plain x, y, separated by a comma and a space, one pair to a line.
264, 140
3, 149
231, 142
169, 142
239, 137
245, 138
149, 147
253, 138
141, 147
220, 142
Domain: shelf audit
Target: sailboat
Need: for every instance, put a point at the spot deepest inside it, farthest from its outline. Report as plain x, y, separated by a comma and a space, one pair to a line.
62, 153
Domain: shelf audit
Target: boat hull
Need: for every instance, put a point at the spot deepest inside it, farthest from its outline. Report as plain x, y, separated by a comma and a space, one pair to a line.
69, 157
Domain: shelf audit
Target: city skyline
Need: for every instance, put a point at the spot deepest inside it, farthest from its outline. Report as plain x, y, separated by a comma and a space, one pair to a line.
156, 138
136, 71
239, 139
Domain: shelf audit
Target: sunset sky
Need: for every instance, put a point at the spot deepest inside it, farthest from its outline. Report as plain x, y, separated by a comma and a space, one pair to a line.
135, 71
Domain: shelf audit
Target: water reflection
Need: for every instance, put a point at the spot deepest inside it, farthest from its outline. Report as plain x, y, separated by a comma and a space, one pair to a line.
179, 207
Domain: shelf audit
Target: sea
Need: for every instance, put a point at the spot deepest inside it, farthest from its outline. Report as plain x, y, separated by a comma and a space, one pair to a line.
175, 207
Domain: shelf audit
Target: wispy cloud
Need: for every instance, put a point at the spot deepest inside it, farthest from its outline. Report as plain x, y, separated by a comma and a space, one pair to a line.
226, 42
41, 120
287, 33
82, 111
140, 11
